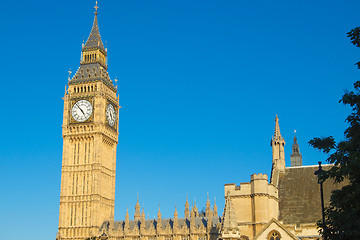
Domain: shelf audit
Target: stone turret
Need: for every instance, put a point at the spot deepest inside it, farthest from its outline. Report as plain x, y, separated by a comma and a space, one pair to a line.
259, 190
187, 209
278, 155
208, 211
192, 219
209, 223
296, 157
159, 226
195, 209
152, 226
176, 221
137, 210
127, 222
142, 221
215, 209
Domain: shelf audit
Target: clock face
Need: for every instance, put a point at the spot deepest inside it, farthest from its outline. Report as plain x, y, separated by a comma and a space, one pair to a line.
110, 114
81, 110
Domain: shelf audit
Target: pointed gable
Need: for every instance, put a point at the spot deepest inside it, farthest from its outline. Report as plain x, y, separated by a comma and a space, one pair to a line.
275, 228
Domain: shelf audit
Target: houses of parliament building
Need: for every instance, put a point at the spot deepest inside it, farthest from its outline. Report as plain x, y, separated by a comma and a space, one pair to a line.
277, 208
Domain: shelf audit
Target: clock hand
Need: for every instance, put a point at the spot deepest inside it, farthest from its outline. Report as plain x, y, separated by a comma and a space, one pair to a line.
80, 109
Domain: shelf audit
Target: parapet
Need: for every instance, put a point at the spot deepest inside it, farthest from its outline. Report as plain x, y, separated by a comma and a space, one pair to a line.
233, 190
259, 176
259, 184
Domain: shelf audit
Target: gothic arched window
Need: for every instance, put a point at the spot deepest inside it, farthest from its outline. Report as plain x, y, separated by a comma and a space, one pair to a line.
274, 235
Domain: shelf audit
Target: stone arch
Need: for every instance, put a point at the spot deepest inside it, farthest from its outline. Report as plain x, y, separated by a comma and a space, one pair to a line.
274, 235
243, 237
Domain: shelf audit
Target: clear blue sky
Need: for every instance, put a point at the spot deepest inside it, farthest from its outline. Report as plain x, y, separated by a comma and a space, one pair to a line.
200, 83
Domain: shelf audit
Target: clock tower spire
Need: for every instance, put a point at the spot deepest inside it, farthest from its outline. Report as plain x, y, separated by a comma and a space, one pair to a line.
90, 137
93, 62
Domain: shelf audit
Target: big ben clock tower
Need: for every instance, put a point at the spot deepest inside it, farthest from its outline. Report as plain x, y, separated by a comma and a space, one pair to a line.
90, 137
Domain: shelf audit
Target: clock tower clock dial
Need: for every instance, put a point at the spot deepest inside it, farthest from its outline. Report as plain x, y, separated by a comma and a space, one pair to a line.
111, 114
81, 110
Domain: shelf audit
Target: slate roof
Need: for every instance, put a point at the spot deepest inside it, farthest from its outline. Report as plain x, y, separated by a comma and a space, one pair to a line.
299, 194
91, 73
94, 40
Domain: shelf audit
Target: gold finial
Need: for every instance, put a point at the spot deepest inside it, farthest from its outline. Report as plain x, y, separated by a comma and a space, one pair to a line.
96, 7
69, 74
116, 82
